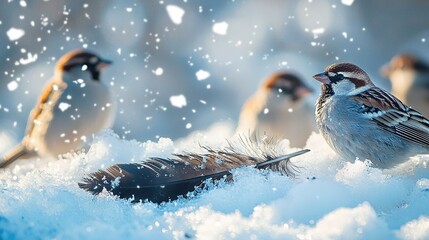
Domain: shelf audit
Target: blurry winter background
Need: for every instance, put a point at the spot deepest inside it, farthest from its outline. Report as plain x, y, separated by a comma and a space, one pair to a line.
214, 53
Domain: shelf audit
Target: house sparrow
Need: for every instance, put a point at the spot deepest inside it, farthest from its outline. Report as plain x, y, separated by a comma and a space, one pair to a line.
73, 105
278, 110
360, 120
409, 77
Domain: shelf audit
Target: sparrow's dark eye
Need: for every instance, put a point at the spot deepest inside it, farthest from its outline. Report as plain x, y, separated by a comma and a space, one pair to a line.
336, 78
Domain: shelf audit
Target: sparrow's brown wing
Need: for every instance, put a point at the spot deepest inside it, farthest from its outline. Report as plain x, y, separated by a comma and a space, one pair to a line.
51, 92
159, 180
393, 116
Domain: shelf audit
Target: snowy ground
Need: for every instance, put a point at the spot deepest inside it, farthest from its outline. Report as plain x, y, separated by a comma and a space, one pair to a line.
330, 199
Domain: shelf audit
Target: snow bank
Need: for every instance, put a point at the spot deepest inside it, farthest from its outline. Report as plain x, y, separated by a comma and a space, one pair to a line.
330, 199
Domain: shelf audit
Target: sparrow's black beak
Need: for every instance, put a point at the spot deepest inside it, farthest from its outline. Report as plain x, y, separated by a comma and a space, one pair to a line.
322, 77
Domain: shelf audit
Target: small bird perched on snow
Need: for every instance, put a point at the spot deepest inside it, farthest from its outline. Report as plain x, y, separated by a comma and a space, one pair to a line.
73, 105
360, 120
159, 179
409, 77
278, 109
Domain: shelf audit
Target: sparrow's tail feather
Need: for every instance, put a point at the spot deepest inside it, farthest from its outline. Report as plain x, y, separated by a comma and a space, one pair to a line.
159, 180
14, 154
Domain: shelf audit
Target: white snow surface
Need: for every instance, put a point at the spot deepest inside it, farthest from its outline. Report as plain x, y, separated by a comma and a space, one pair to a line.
329, 198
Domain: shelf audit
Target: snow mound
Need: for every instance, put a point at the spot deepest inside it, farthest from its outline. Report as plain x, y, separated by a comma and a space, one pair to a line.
329, 199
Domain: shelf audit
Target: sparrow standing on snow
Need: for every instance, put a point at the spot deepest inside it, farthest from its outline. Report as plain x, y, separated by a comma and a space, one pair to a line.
360, 120
409, 77
278, 110
74, 105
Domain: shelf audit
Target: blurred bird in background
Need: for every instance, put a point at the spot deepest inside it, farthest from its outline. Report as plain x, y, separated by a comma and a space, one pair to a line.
278, 109
75, 104
409, 76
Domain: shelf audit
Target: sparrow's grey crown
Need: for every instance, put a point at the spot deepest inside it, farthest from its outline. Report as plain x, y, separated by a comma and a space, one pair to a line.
77, 59
340, 71
343, 67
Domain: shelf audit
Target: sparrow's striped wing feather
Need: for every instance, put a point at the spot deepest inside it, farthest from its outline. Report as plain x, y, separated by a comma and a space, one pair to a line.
37, 110
159, 180
410, 126
51, 92
393, 116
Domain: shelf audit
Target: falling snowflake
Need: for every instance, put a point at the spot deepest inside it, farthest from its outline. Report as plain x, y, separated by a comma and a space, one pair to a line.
347, 2
175, 13
178, 101
63, 106
220, 28
318, 31
15, 34
158, 72
202, 75
12, 86
266, 111
30, 58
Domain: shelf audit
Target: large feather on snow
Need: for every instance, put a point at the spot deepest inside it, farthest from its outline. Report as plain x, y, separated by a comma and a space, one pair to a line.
158, 179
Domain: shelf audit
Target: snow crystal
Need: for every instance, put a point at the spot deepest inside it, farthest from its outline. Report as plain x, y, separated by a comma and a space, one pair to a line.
158, 72
188, 125
15, 34
344, 35
202, 75
178, 101
64, 106
266, 111
347, 2
318, 31
12, 86
220, 28
22, 3
30, 58
175, 13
